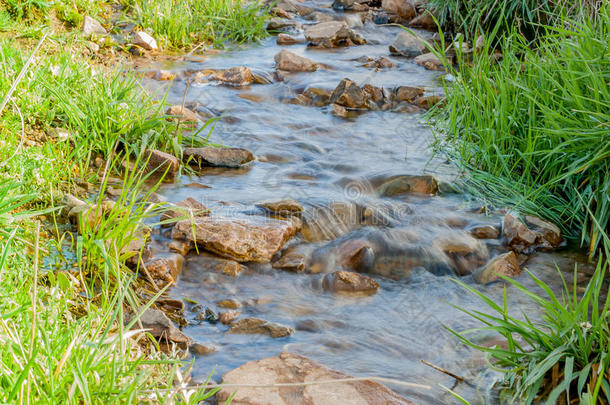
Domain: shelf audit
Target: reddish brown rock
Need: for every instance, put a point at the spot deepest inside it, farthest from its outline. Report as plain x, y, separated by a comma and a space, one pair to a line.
229, 267
429, 101
407, 93
220, 157
228, 317
236, 76
165, 267
465, 253
189, 208
547, 232
396, 185
287, 206
253, 239
161, 162
518, 236
180, 246
332, 34
260, 326
503, 265
159, 326
349, 94
408, 44
229, 303
402, 8
291, 62
200, 349
292, 368
429, 61
425, 20
182, 115
286, 39
485, 231
380, 63
349, 282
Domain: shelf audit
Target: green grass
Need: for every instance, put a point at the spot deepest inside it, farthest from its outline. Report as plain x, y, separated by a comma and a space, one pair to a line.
64, 294
189, 23
533, 130
475, 17
565, 357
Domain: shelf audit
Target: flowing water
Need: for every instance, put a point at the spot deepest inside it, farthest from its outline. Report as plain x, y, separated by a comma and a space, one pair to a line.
309, 154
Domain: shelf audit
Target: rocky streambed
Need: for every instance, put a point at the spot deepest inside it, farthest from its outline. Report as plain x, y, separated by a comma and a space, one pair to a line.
323, 243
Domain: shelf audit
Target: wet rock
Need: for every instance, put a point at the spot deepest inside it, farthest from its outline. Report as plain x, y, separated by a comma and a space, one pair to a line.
260, 326
407, 93
518, 236
280, 12
165, 75
145, 41
236, 76
137, 250
347, 281
429, 101
180, 247
292, 368
218, 157
347, 4
332, 34
285, 39
465, 253
505, 265
229, 267
429, 61
485, 231
292, 6
547, 232
295, 258
90, 216
226, 318
92, 26
229, 304
183, 115
161, 162
409, 45
380, 63
282, 207
159, 326
315, 96
340, 111
254, 239
349, 94
401, 184
403, 8
201, 350
165, 267
189, 208
291, 62
283, 24
425, 21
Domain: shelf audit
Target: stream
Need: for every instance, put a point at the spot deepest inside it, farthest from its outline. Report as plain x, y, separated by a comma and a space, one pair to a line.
321, 160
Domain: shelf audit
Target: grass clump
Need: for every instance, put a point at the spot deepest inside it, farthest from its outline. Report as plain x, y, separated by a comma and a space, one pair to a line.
532, 129
185, 24
564, 358
474, 17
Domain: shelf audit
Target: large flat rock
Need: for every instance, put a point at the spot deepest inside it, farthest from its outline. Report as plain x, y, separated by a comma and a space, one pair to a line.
292, 368
254, 239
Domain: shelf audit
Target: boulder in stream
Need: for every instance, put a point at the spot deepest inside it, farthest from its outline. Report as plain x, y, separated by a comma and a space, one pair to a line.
408, 44
291, 62
183, 115
218, 157
502, 265
401, 184
332, 34
252, 239
292, 368
236, 76
189, 208
425, 20
161, 162
533, 234
286, 39
159, 326
405, 9
349, 282
284, 207
407, 93
429, 61
260, 326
